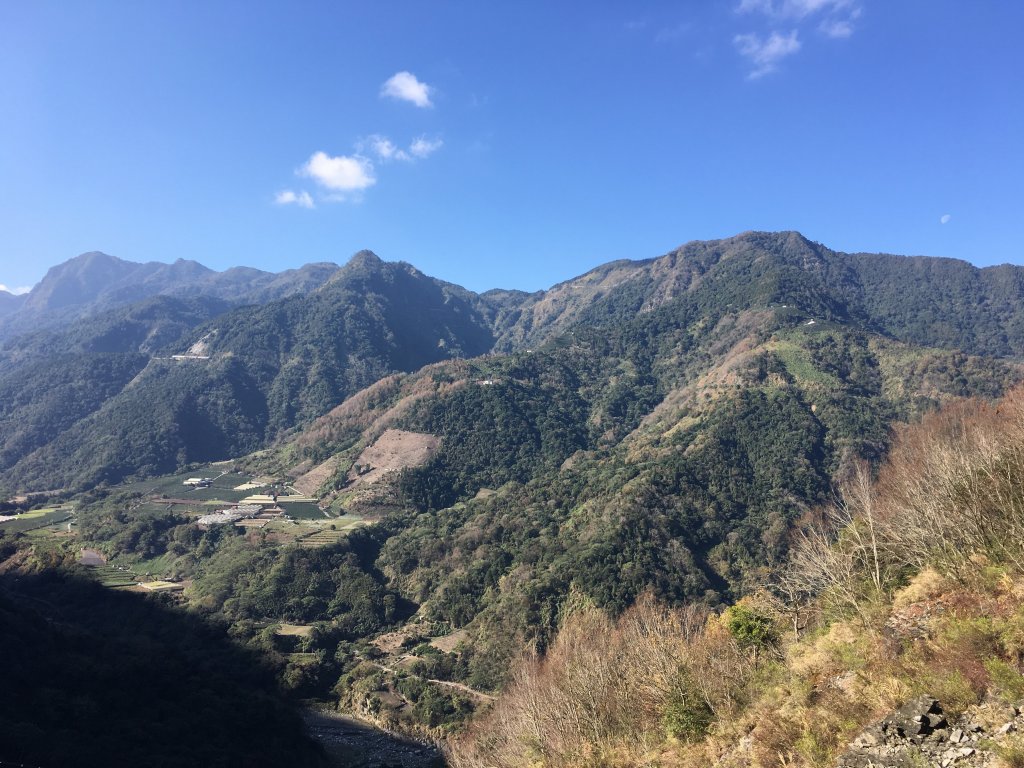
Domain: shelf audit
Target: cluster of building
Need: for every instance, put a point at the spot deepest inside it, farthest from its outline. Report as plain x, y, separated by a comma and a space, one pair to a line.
241, 513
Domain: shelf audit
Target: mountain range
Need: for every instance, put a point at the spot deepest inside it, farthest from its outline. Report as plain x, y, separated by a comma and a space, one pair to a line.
486, 464
166, 365
94, 282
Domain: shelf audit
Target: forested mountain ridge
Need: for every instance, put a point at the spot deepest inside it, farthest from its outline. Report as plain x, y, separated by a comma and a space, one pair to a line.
670, 453
255, 372
209, 384
919, 299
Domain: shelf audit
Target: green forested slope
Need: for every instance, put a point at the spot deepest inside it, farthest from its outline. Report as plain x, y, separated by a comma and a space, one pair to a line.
282, 364
659, 427
253, 372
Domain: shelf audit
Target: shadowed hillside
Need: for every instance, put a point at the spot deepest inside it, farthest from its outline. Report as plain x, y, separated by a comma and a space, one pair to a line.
94, 677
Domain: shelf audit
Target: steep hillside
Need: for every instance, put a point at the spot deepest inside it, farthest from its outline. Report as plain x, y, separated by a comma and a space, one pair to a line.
50, 380
926, 301
298, 357
108, 678
233, 383
666, 438
671, 453
9, 302
891, 636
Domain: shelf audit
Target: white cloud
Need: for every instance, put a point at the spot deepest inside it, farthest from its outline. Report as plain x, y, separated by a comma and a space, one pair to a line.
838, 15
405, 87
765, 54
945, 219
343, 177
289, 197
341, 173
383, 147
16, 291
752, 6
424, 147
386, 149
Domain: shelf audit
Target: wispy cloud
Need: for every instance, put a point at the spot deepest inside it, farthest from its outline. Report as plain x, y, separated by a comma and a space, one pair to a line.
424, 147
383, 147
340, 174
404, 86
766, 53
16, 291
289, 197
834, 19
836, 28
945, 218
794, 9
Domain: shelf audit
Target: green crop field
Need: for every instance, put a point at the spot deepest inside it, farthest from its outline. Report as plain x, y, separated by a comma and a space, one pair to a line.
156, 566
798, 363
222, 487
302, 510
332, 533
109, 576
37, 518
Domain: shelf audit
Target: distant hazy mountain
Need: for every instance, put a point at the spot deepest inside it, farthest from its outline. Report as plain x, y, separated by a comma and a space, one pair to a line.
94, 282
9, 302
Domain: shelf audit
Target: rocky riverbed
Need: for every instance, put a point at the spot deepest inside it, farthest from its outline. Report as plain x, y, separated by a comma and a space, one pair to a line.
357, 744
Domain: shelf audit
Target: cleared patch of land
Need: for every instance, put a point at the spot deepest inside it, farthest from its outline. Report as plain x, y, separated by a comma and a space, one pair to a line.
449, 643
293, 630
394, 450
162, 586
92, 557
309, 482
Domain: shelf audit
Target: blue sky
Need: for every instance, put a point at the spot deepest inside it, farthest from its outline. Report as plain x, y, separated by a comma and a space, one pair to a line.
505, 144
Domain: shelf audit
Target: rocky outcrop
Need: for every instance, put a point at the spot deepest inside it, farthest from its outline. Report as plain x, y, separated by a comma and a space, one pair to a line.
918, 734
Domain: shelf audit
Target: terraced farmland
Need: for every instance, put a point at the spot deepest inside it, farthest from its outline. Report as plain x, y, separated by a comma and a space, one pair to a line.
110, 576
322, 538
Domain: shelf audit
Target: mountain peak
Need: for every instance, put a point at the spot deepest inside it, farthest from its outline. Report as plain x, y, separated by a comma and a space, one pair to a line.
92, 258
365, 258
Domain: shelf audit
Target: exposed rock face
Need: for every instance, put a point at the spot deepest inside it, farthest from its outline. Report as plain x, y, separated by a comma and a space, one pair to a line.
918, 734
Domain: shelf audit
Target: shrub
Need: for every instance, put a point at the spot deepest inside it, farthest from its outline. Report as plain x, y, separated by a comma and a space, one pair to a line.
1008, 682
750, 628
687, 715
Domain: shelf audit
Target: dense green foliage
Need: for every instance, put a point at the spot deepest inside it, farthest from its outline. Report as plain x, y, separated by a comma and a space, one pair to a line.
48, 396
303, 585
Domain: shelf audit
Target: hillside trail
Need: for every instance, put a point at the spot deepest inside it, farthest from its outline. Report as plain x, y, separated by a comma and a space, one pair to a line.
447, 683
